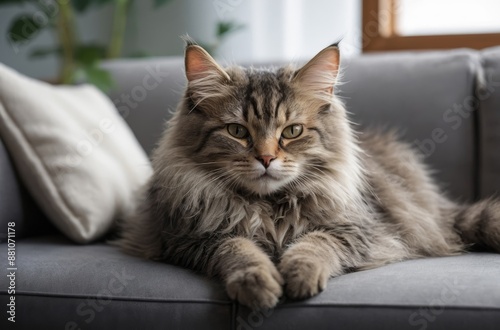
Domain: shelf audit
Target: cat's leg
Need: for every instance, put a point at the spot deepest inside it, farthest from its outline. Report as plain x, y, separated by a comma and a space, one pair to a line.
248, 273
307, 264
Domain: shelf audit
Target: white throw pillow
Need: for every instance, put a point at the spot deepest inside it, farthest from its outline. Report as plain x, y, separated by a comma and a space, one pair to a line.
75, 154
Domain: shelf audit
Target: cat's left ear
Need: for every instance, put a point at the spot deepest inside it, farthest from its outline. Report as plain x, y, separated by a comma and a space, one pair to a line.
199, 64
319, 75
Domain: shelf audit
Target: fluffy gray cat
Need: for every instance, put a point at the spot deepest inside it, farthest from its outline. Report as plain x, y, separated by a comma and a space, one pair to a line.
260, 180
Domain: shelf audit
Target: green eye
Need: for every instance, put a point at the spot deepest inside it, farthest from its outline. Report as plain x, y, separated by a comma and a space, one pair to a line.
292, 131
237, 130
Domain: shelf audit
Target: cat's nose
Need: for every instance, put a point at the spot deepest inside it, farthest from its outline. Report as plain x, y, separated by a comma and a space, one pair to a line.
266, 160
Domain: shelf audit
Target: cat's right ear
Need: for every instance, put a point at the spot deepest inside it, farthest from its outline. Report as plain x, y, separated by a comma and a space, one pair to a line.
200, 65
319, 75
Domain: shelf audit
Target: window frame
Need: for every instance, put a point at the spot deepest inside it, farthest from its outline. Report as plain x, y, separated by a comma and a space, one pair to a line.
379, 32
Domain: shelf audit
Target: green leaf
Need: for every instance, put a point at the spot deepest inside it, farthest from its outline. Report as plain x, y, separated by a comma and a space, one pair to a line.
224, 28
159, 3
42, 52
89, 55
83, 5
96, 76
23, 28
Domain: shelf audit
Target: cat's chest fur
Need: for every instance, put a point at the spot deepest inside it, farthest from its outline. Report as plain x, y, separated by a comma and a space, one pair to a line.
273, 223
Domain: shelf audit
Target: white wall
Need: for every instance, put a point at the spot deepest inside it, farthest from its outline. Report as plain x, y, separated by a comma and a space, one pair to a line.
292, 29
275, 30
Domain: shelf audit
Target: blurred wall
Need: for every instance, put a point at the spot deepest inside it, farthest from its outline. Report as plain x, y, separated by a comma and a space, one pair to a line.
274, 30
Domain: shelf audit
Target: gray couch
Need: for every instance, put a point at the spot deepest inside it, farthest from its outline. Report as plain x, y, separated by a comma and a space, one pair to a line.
446, 103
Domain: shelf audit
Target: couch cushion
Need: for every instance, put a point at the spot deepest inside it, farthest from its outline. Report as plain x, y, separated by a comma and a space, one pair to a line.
428, 97
461, 292
489, 123
61, 285
76, 155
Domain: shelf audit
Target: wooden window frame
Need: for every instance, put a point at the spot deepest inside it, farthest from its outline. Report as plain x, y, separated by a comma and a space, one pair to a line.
379, 32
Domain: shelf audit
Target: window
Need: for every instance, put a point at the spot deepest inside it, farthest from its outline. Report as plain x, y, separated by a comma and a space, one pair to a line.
430, 24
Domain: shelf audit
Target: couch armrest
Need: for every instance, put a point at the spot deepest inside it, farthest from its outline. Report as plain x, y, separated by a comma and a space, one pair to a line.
489, 124
16, 204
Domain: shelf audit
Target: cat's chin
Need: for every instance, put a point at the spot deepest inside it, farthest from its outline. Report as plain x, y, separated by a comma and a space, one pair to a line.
265, 185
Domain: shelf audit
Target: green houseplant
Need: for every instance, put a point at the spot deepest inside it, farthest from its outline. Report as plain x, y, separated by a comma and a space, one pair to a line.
80, 61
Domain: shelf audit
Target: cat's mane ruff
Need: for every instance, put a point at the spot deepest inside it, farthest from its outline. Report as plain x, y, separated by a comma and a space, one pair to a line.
189, 187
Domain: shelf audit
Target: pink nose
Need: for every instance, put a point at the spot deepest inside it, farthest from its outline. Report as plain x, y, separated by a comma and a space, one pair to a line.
266, 160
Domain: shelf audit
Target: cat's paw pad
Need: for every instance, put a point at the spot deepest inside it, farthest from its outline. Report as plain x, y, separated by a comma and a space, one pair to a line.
304, 277
257, 287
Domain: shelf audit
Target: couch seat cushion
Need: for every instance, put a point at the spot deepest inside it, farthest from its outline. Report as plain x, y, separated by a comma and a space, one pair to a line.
61, 285
460, 292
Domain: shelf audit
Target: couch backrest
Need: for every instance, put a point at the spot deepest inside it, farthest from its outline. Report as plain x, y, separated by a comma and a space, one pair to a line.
429, 96
146, 94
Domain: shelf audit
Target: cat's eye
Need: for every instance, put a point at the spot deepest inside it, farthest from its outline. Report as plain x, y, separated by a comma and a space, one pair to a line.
292, 131
237, 130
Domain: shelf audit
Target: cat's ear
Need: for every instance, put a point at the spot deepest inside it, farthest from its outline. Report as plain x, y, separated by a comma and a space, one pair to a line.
319, 75
200, 65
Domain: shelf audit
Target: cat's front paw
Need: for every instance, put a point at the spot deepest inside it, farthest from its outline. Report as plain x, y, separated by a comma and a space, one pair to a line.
304, 276
258, 287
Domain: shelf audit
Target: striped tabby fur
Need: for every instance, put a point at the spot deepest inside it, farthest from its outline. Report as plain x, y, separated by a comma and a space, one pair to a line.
266, 213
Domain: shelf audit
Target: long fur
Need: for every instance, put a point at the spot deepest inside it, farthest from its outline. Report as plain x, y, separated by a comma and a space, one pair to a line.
342, 203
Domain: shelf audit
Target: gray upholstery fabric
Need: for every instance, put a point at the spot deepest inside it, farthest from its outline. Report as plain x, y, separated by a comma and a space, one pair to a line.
416, 93
16, 205
327, 317
489, 122
461, 292
10, 193
146, 93
101, 285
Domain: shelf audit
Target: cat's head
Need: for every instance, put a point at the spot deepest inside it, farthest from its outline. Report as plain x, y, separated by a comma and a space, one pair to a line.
263, 130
